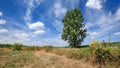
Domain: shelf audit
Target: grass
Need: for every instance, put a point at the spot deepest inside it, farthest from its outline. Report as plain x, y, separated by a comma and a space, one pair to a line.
29, 59
55, 57
15, 59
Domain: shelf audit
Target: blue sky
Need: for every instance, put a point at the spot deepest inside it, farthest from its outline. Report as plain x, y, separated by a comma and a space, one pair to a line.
38, 22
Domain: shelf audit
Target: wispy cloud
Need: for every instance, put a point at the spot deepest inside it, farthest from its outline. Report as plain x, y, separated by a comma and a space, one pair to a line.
30, 5
59, 10
117, 14
22, 36
3, 30
105, 22
2, 21
58, 25
1, 14
51, 41
39, 32
15, 35
117, 33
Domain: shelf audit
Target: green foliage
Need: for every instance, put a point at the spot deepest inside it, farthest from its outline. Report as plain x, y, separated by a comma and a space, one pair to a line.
74, 31
5, 45
105, 54
102, 56
17, 46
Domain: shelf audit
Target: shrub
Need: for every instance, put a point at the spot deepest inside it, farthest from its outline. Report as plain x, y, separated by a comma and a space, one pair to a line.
17, 46
94, 44
102, 56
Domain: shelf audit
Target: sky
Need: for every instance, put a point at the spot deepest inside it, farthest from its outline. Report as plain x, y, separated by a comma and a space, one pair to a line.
39, 22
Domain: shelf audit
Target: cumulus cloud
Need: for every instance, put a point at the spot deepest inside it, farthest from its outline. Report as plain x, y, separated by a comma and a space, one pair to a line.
117, 33
39, 32
2, 21
36, 25
3, 30
1, 14
94, 4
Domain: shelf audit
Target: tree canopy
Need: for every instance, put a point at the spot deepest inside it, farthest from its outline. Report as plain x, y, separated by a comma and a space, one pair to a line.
73, 30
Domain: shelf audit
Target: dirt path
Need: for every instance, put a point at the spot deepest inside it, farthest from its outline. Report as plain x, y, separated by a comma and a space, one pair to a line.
48, 60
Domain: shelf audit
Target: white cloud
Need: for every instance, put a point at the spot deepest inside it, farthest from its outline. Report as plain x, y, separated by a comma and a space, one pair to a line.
55, 41
3, 30
22, 35
59, 10
117, 33
118, 14
36, 26
1, 14
102, 22
94, 33
2, 21
94, 4
88, 25
15, 35
58, 25
39, 32
31, 5
72, 3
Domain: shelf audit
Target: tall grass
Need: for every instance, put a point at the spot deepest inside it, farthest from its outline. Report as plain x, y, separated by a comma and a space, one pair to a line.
97, 53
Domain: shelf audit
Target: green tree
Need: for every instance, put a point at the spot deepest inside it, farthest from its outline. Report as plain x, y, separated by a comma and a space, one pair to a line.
73, 30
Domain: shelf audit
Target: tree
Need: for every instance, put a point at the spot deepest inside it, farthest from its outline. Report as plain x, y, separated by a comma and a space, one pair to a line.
73, 30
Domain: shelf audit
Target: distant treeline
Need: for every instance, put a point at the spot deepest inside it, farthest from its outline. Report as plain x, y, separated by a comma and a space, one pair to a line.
5, 45
10, 45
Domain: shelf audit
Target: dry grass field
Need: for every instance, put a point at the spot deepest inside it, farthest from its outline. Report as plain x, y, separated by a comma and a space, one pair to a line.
55, 57
37, 59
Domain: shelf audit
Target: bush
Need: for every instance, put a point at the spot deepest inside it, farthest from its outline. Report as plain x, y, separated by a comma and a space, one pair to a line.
17, 46
102, 56
106, 55
94, 44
